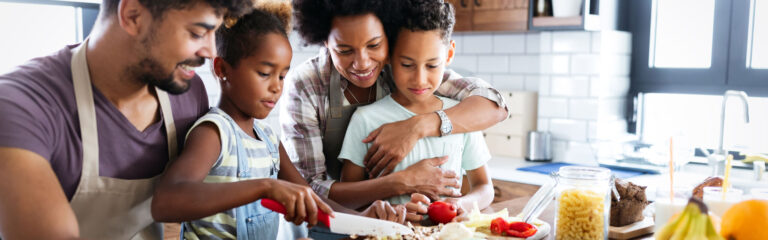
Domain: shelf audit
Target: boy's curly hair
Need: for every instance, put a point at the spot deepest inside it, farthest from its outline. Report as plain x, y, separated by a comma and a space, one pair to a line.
239, 38
428, 15
313, 17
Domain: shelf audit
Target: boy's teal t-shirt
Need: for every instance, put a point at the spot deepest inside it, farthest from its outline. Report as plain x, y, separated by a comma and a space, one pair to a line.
466, 151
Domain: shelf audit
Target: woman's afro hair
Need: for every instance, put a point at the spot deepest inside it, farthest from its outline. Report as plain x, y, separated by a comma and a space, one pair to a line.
313, 17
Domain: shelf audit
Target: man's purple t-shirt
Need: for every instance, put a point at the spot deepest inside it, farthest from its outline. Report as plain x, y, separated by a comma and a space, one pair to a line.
38, 113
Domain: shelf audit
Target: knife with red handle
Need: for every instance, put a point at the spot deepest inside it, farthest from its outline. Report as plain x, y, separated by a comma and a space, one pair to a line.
277, 207
348, 223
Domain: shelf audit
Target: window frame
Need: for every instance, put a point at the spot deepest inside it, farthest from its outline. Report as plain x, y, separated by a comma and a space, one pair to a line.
738, 73
86, 11
728, 69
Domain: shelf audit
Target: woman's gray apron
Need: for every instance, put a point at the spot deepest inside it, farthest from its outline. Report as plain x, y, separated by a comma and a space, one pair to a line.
338, 120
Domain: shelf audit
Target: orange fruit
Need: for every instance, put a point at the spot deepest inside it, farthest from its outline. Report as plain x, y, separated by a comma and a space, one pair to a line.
746, 220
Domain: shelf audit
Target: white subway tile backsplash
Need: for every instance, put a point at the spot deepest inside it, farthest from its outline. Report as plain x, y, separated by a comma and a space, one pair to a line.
480, 43
607, 129
486, 77
612, 42
508, 43
608, 86
466, 63
553, 107
533, 83
524, 64
585, 64
568, 129
542, 124
545, 84
571, 42
559, 148
614, 65
612, 108
584, 108
506, 82
459, 40
570, 86
532, 43
554, 64
580, 152
493, 64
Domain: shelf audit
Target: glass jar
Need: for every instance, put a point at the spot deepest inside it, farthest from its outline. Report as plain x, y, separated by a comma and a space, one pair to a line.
583, 202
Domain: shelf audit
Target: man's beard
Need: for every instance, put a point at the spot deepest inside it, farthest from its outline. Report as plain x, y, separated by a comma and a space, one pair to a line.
151, 72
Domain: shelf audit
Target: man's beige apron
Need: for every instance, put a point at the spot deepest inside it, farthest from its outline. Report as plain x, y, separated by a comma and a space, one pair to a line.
110, 208
338, 120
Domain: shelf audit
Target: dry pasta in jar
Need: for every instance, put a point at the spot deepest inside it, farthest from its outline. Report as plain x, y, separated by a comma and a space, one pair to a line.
580, 215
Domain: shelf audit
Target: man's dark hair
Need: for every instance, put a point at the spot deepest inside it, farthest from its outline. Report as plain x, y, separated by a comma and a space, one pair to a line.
242, 39
313, 17
428, 15
233, 8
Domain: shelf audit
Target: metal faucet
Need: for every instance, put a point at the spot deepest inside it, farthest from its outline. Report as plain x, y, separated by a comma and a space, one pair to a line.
716, 170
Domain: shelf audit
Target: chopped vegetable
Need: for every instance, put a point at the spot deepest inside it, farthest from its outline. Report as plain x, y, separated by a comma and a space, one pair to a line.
441, 212
521, 229
499, 226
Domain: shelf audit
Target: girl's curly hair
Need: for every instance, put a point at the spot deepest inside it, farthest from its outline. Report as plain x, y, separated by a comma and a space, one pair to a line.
239, 38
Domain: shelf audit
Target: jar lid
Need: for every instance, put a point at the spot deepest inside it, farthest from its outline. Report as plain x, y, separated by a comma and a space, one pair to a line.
582, 172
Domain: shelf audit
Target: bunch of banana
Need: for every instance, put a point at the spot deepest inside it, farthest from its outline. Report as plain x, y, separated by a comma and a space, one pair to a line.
692, 223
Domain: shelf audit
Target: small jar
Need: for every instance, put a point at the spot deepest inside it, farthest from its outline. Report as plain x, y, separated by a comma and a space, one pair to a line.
583, 203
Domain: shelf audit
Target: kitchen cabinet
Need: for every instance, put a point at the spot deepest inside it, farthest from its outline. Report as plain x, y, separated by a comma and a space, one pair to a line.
490, 15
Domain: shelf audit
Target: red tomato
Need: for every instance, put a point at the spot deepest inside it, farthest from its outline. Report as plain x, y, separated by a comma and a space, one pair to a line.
521, 230
499, 226
441, 212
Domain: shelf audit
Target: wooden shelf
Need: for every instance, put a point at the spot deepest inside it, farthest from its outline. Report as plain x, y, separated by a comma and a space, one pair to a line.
556, 21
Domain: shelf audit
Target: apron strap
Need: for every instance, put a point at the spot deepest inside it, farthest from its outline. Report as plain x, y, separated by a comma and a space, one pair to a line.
86, 111
170, 126
335, 94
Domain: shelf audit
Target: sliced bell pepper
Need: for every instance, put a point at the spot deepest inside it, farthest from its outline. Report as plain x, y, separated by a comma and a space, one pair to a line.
521, 229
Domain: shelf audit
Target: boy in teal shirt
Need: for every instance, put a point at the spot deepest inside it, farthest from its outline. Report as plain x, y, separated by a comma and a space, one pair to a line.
422, 50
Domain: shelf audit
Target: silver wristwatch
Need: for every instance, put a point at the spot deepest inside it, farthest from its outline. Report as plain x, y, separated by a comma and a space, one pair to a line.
445, 126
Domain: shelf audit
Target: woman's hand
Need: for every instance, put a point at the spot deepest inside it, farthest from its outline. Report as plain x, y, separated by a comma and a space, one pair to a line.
427, 178
417, 207
384, 211
390, 143
301, 203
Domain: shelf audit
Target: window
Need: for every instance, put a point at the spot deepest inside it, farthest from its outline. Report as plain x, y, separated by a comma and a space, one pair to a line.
699, 46
681, 34
757, 47
37, 28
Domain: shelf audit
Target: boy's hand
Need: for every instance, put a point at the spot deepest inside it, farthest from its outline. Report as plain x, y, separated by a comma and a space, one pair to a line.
301, 203
417, 207
384, 211
459, 205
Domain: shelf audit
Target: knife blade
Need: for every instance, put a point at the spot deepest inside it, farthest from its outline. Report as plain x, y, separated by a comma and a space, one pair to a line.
349, 224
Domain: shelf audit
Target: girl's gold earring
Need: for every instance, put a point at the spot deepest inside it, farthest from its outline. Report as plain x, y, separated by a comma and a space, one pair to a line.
224, 79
